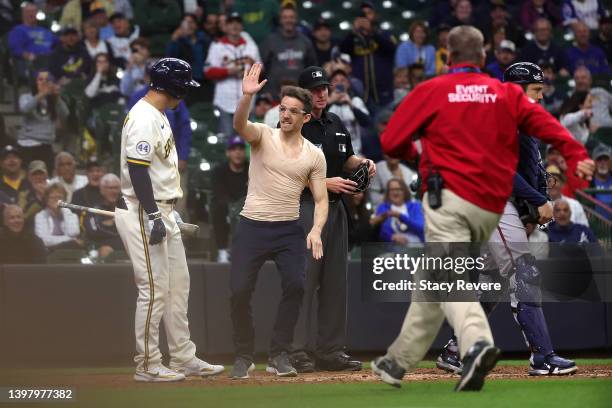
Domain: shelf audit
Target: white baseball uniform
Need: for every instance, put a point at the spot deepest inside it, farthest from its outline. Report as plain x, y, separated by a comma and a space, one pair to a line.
147, 140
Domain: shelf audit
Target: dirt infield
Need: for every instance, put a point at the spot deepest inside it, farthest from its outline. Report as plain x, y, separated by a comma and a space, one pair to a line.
261, 378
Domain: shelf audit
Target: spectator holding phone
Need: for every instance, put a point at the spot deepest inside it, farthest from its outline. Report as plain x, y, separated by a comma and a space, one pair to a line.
134, 75
351, 109
190, 44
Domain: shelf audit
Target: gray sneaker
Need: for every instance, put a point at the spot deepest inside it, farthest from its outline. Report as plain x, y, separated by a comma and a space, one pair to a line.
281, 366
242, 368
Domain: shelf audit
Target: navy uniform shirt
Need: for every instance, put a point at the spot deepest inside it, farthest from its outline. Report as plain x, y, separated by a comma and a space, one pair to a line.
329, 134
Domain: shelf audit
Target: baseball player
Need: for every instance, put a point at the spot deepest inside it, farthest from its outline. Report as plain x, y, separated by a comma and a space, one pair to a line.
509, 246
146, 222
466, 121
282, 163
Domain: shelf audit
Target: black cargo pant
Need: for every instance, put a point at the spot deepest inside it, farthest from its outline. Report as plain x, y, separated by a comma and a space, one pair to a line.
325, 295
255, 242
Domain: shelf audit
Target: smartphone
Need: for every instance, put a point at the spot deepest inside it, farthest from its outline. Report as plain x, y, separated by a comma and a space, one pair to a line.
340, 88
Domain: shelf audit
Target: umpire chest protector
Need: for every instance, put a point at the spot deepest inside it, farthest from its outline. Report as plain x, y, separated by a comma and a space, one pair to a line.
329, 134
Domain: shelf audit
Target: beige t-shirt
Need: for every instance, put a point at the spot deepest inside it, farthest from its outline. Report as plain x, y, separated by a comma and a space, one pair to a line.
276, 182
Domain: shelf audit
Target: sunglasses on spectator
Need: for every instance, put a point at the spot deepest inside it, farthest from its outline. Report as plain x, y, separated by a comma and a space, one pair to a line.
292, 111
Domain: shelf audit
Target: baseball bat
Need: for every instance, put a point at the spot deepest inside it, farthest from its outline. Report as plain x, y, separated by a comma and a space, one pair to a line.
189, 230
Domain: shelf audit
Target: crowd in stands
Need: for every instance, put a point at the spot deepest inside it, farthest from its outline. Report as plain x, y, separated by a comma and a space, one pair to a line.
94, 60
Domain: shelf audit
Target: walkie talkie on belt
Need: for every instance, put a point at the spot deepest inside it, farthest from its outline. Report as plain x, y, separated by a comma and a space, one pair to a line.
434, 189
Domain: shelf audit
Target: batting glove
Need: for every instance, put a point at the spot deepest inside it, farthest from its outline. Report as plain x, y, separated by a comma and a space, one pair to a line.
158, 229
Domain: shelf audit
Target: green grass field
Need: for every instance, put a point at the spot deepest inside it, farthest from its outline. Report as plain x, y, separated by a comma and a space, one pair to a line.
589, 390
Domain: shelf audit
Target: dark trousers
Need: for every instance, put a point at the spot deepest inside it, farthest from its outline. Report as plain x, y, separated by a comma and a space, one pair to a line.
253, 243
325, 294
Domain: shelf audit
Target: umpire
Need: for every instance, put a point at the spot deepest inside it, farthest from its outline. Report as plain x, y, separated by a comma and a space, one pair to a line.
326, 277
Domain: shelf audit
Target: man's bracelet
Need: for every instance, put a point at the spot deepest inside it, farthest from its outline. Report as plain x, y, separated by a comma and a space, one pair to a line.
155, 216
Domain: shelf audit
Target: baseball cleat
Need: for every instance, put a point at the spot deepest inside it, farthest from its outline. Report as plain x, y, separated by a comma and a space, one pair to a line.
551, 364
197, 367
161, 374
281, 366
448, 360
388, 370
302, 362
479, 360
338, 362
241, 369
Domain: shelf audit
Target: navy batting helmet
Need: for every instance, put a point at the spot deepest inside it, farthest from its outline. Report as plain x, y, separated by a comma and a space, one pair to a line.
524, 73
173, 76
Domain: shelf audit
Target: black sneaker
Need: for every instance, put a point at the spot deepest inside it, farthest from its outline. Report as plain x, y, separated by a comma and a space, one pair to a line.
448, 360
301, 362
242, 368
388, 370
338, 362
281, 366
552, 364
479, 360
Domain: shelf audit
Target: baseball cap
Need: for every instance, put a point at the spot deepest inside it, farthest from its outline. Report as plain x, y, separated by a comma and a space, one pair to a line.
37, 165
233, 16
321, 23
507, 45
116, 16
92, 162
9, 149
68, 30
235, 141
313, 77
601, 151
367, 4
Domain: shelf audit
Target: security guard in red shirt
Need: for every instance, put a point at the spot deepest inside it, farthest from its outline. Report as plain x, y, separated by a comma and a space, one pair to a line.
468, 126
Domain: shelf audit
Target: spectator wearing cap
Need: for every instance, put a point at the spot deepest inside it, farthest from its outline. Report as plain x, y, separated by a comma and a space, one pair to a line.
157, 18
499, 18
532, 10
369, 11
65, 175
77, 11
442, 50
190, 44
260, 17
263, 103
504, 57
604, 37
44, 111
123, 35
286, 53
133, 77
19, 244
555, 193
229, 188
416, 50
226, 62
350, 108
343, 62
323, 41
584, 53
89, 195
372, 54
28, 42
543, 50
31, 200
13, 179
57, 227
564, 230
70, 59
99, 229
99, 18
585, 11
602, 180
